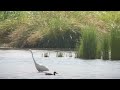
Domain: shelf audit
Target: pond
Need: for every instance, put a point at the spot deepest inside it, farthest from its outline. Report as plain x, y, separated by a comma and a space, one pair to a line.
18, 64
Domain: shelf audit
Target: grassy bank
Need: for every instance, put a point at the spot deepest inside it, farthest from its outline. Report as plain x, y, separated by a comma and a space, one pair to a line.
39, 30
59, 29
47, 29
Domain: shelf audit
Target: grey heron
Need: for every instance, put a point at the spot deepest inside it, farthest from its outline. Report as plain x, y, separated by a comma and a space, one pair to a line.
40, 68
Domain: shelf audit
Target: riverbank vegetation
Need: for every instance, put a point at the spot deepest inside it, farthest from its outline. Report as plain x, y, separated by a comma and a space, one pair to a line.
83, 31
88, 46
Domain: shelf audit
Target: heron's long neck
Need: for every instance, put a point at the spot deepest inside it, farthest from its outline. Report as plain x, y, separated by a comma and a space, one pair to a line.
33, 57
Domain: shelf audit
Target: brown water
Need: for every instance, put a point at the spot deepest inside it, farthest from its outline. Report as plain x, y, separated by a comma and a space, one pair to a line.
18, 64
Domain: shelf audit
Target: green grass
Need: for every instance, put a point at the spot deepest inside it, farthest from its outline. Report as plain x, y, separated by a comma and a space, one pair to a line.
106, 47
52, 29
115, 43
82, 30
99, 51
88, 46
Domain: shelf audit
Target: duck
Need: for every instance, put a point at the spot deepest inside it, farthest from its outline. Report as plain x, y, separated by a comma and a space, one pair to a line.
54, 73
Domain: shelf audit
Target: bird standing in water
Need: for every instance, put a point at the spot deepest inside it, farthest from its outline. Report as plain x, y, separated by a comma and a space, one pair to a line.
40, 68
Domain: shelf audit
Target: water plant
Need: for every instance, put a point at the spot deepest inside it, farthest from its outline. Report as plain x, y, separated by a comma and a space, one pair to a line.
115, 43
99, 51
105, 47
88, 47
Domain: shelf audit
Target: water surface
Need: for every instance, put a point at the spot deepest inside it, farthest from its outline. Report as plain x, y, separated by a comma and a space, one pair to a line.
18, 64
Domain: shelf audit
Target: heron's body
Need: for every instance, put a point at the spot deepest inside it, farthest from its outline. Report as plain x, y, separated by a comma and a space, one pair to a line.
40, 68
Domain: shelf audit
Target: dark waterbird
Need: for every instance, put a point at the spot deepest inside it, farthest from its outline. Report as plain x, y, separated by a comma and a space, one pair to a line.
54, 73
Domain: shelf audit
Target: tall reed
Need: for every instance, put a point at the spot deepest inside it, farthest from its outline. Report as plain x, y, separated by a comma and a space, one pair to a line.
88, 47
105, 48
99, 52
115, 43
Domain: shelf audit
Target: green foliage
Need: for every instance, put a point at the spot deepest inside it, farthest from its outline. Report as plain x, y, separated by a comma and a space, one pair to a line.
106, 47
88, 47
52, 29
115, 43
99, 50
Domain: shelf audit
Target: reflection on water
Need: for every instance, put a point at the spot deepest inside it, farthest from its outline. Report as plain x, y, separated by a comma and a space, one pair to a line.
18, 64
